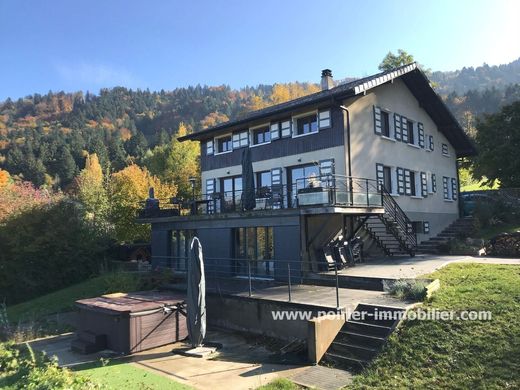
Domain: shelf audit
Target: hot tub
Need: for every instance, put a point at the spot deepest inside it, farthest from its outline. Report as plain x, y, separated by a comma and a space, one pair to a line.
133, 322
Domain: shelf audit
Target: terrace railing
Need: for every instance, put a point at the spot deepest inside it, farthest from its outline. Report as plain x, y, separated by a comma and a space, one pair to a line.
327, 190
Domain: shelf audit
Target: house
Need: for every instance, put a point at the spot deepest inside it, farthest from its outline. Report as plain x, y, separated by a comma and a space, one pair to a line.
376, 156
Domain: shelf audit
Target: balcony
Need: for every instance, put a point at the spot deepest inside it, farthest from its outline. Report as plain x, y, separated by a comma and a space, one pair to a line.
314, 192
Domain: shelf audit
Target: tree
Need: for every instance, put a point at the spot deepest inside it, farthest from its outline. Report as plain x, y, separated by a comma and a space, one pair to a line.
91, 191
498, 137
392, 60
4, 179
117, 153
65, 165
128, 189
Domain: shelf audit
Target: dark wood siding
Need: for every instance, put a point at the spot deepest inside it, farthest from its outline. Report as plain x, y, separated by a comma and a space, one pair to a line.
324, 139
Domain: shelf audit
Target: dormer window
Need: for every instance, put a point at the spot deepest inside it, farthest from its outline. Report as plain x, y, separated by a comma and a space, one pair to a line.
261, 135
224, 144
307, 125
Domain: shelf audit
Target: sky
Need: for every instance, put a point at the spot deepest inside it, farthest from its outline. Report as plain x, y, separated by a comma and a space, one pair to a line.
163, 44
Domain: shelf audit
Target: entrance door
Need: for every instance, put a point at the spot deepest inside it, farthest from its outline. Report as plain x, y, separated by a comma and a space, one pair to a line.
231, 188
300, 177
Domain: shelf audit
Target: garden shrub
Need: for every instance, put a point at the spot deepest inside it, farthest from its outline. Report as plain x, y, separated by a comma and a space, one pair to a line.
406, 289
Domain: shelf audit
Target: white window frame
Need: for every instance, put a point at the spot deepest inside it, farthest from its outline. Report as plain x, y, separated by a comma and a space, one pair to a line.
415, 131
294, 123
429, 182
215, 144
417, 184
252, 138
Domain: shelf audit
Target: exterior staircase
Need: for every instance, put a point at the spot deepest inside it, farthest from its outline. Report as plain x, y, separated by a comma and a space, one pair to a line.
392, 231
460, 227
359, 341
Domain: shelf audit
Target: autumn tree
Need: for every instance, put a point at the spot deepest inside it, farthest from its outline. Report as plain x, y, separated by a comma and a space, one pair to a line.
128, 189
392, 60
176, 162
4, 178
92, 190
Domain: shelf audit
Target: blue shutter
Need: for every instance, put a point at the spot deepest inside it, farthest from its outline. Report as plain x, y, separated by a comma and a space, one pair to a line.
275, 131
380, 175
377, 121
454, 188
400, 181
407, 182
404, 128
434, 183
424, 185
420, 131
398, 134
430, 138
445, 187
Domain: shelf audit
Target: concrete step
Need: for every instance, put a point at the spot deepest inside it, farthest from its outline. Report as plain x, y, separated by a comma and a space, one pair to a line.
344, 361
354, 351
366, 329
360, 339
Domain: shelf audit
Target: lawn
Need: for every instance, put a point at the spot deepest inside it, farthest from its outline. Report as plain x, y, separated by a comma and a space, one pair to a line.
457, 354
63, 300
117, 375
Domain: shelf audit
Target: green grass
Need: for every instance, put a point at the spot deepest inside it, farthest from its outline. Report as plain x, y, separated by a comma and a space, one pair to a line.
63, 300
491, 231
118, 375
280, 384
457, 354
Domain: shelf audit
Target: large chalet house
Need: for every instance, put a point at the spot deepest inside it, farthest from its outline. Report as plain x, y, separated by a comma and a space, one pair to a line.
375, 157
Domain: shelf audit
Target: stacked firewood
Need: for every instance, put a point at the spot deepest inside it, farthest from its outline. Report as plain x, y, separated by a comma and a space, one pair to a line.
505, 244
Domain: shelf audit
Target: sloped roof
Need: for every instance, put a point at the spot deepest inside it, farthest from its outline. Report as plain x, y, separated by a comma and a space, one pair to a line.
411, 75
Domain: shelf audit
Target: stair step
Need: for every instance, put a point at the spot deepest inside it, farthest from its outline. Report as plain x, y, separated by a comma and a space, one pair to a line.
360, 339
352, 351
346, 361
366, 328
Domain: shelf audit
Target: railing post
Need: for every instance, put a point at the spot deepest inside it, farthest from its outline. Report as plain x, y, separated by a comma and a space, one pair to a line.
249, 276
368, 196
289, 279
337, 284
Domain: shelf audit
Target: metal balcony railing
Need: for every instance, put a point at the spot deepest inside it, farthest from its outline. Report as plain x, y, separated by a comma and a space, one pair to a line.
314, 191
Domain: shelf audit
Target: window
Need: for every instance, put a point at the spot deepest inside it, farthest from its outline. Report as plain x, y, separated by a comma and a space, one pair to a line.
257, 245
224, 144
263, 179
445, 151
426, 227
387, 178
240, 139
385, 124
261, 135
413, 183
306, 125
209, 147
411, 134
285, 128
324, 119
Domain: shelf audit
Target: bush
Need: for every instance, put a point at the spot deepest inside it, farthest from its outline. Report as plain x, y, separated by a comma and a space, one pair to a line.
505, 244
21, 368
47, 248
406, 289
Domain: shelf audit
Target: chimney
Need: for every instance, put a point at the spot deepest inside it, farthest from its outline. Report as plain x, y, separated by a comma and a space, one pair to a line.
326, 79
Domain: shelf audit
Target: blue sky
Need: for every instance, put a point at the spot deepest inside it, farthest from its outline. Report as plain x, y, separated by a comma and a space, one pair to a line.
90, 44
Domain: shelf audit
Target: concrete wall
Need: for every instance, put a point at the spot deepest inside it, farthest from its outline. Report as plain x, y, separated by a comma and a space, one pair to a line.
255, 316
369, 148
322, 332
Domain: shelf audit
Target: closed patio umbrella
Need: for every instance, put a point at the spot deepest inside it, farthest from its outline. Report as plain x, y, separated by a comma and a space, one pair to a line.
196, 295
248, 181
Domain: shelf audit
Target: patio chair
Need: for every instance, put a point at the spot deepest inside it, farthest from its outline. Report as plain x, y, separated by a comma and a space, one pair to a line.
275, 201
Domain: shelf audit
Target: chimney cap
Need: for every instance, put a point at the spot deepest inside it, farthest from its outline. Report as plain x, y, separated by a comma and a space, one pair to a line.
326, 73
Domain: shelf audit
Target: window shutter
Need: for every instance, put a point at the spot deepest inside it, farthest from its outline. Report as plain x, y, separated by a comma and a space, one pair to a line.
407, 182
398, 134
400, 181
236, 140
276, 176
285, 129
420, 131
430, 137
327, 167
434, 183
210, 189
445, 187
275, 131
445, 149
377, 120
324, 119
209, 147
404, 128
454, 188
424, 185
244, 138
380, 175
426, 227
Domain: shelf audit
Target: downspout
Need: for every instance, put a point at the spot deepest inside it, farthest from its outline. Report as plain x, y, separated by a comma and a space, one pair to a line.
459, 198
349, 165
